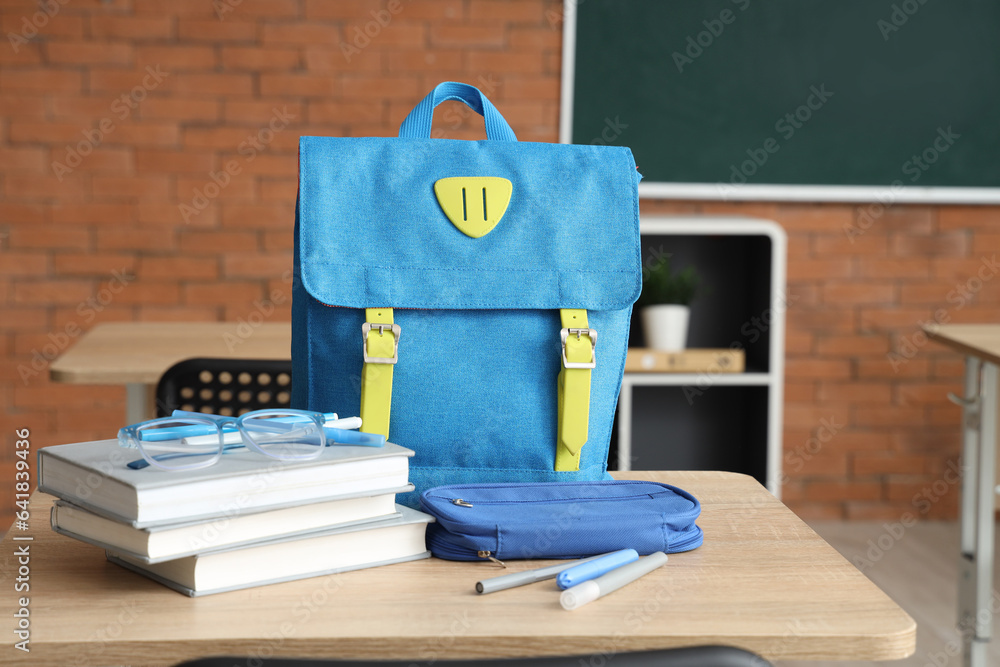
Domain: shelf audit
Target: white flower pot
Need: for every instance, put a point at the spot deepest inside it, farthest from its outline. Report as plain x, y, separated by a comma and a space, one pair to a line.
666, 326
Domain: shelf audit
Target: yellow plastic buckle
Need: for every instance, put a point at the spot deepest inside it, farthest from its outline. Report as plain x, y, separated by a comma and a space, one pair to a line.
366, 329
590, 333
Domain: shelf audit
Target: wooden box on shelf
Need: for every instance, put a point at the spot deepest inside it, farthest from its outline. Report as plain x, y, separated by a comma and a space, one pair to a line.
721, 360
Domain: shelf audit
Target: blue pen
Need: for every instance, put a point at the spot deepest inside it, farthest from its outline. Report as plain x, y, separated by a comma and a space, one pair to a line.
337, 432
233, 439
193, 430
342, 436
595, 568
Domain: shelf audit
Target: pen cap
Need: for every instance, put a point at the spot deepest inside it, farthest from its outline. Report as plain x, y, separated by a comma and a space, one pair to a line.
592, 569
578, 596
626, 574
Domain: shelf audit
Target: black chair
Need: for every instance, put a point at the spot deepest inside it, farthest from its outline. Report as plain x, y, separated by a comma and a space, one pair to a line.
227, 387
696, 656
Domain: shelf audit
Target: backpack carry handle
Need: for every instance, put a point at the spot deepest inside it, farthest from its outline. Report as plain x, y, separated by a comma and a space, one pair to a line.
417, 125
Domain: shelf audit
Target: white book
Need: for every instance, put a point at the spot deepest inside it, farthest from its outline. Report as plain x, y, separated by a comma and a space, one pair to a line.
166, 542
94, 475
370, 544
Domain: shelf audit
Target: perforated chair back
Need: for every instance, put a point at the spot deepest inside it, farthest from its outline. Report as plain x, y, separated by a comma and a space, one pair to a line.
227, 387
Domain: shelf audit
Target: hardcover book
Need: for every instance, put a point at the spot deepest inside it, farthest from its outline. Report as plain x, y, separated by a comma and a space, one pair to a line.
159, 543
94, 476
370, 544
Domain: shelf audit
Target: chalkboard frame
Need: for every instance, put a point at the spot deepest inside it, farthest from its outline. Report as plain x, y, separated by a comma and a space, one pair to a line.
887, 194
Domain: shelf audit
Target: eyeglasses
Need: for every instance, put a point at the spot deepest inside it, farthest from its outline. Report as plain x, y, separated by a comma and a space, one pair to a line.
190, 440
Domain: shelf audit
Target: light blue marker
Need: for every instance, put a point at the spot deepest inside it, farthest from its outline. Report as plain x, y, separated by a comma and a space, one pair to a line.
595, 568
588, 591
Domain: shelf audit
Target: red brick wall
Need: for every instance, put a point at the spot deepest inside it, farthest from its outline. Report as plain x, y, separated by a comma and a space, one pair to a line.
69, 221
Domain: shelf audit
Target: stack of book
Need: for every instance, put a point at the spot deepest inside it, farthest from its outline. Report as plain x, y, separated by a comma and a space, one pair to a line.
246, 521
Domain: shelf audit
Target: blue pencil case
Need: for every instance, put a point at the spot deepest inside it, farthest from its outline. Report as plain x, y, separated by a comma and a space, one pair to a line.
559, 519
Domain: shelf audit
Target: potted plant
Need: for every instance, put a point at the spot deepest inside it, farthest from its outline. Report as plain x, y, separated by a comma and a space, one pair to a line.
665, 305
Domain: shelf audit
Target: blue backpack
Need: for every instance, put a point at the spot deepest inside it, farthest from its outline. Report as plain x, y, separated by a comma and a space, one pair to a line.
469, 299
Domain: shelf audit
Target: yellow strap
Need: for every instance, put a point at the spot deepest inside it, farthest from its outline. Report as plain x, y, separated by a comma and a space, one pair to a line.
376, 377
574, 391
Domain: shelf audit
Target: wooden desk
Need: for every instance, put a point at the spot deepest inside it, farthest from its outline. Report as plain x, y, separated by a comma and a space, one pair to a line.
980, 343
763, 580
135, 354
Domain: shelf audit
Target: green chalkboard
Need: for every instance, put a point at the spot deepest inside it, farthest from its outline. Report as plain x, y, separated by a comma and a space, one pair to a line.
801, 92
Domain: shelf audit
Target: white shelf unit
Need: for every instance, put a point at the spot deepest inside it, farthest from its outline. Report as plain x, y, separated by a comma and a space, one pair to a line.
738, 427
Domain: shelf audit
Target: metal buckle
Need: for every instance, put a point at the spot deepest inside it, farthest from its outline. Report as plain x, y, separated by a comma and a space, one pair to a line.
366, 329
592, 334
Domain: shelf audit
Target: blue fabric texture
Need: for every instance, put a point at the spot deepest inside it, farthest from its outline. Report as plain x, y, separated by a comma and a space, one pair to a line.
475, 389
560, 520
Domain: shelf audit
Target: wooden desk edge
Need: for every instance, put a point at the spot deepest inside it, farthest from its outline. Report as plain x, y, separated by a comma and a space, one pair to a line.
88, 377
270, 340
935, 333
876, 648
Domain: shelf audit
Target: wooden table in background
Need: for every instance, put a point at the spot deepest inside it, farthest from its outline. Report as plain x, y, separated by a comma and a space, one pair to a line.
135, 354
980, 343
763, 580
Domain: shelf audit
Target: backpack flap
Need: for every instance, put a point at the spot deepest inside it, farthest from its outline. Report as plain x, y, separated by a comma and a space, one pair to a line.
373, 233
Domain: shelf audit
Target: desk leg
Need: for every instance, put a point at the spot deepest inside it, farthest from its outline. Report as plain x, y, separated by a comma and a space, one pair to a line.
625, 426
977, 523
138, 403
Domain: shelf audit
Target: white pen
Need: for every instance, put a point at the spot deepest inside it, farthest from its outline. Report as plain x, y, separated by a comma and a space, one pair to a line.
588, 591
234, 437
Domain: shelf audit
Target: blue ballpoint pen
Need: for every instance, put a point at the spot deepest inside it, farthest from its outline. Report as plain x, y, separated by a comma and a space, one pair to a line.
195, 434
193, 430
334, 436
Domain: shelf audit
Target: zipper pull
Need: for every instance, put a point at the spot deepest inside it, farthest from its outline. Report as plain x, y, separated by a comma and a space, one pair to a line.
486, 554
481, 554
